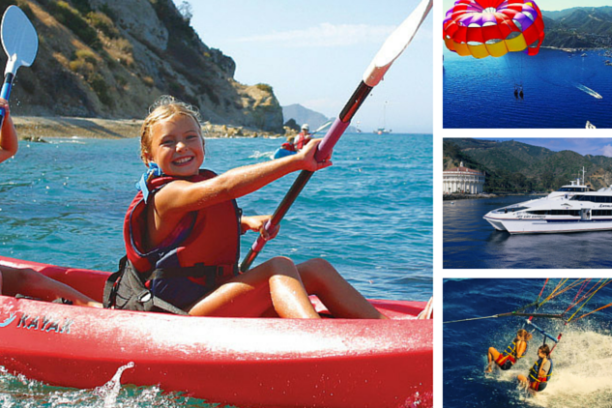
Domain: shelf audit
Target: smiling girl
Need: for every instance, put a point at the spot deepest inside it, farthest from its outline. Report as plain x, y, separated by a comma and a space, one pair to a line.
182, 232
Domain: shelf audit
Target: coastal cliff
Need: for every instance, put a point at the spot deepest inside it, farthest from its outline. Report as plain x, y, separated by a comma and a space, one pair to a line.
111, 59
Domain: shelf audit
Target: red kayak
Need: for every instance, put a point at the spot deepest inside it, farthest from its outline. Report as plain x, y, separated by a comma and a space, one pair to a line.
248, 362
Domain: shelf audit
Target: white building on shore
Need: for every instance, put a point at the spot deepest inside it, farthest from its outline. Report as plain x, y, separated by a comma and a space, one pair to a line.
463, 180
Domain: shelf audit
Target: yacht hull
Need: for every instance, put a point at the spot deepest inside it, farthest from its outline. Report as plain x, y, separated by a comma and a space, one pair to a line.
542, 226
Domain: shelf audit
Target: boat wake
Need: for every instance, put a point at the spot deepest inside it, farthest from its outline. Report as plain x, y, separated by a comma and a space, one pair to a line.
589, 91
261, 155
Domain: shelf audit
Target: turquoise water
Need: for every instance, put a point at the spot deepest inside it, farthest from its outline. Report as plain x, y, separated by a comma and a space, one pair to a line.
370, 215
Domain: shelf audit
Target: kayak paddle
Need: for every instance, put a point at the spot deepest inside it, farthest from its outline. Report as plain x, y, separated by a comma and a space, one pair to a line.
20, 43
391, 49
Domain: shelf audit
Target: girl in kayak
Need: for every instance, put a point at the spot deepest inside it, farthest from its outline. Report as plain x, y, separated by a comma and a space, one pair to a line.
540, 372
183, 229
27, 281
513, 352
8, 135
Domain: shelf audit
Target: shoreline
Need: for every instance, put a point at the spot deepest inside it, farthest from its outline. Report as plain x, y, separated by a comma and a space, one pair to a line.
457, 197
37, 128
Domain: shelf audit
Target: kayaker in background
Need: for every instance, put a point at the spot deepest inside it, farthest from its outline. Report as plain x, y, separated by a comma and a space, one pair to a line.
26, 281
8, 135
513, 352
540, 372
182, 233
302, 138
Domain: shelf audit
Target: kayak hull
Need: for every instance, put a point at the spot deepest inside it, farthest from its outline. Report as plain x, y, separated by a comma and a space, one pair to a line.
254, 362
280, 152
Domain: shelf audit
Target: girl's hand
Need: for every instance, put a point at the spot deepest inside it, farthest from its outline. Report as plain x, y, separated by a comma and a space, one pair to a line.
258, 223
307, 156
4, 104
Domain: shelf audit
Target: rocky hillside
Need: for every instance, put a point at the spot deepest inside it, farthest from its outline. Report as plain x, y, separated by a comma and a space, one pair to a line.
112, 59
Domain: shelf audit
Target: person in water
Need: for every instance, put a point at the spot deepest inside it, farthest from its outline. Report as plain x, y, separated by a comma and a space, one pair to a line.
26, 281
540, 373
182, 231
513, 352
302, 138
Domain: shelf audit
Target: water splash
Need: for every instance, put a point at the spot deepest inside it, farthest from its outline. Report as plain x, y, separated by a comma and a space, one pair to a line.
110, 391
582, 375
21, 392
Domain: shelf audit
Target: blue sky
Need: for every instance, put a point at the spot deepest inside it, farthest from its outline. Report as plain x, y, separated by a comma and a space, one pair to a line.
581, 145
314, 53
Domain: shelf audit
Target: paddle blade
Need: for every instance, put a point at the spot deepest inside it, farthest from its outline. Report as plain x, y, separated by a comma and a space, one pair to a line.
396, 44
19, 39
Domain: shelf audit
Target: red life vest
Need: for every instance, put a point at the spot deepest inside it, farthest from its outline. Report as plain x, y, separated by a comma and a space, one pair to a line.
301, 140
205, 239
288, 146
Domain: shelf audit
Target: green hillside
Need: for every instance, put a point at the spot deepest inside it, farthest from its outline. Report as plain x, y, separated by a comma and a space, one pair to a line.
516, 167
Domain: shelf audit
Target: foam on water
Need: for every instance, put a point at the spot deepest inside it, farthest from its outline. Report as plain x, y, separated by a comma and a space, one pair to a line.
18, 391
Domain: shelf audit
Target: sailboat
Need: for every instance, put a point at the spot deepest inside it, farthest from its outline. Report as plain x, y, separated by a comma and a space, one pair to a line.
382, 130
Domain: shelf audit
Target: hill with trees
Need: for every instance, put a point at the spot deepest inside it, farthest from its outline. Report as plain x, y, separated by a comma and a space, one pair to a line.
516, 167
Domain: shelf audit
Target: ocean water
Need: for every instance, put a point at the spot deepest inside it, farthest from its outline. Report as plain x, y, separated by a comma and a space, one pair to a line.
559, 90
471, 242
582, 372
370, 215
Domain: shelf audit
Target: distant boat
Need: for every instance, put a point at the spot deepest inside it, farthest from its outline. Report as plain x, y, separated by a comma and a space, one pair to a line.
382, 130
589, 125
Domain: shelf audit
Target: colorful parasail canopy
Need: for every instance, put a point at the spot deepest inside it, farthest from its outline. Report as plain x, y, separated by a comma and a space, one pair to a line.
493, 27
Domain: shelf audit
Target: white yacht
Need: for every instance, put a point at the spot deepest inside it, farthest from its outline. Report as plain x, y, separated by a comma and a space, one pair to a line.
572, 208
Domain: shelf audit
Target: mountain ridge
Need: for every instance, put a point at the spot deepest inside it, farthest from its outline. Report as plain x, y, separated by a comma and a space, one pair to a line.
578, 27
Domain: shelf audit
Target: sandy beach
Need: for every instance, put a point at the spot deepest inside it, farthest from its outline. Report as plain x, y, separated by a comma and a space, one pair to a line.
38, 127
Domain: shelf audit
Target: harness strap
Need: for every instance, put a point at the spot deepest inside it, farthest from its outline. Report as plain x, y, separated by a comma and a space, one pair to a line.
210, 272
111, 287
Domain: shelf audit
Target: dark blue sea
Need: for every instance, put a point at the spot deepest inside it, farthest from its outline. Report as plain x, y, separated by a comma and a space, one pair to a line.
582, 361
560, 90
370, 215
471, 242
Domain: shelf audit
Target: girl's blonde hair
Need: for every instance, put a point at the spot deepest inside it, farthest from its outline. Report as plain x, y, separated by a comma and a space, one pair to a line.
164, 108
525, 334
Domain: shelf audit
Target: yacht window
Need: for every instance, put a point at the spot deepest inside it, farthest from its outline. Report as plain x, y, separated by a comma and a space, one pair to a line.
555, 212
602, 213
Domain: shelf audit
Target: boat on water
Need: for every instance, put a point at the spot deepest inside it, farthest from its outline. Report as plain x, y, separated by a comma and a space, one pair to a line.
572, 208
382, 131
283, 152
254, 362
